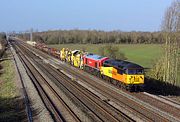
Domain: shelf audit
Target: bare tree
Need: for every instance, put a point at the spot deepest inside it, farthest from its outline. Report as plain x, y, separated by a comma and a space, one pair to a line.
171, 27
171, 21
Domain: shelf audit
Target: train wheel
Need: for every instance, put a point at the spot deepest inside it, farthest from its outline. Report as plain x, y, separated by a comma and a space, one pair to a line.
141, 88
114, 82
132, 88
105, 78
110, 80
128, 88
102, 76
119, 84
98, 74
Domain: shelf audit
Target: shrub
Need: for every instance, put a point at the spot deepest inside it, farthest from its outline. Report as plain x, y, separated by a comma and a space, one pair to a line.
112, 52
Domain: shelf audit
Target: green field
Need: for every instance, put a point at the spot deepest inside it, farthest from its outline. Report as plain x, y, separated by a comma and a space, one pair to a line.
143, 54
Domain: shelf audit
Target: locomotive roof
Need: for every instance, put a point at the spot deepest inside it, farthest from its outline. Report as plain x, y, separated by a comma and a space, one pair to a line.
94, 56
122, 64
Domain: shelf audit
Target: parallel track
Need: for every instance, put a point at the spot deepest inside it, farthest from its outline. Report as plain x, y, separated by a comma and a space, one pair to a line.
38, 80
98, 108
25, 95
162, 103
170, 100
134, 107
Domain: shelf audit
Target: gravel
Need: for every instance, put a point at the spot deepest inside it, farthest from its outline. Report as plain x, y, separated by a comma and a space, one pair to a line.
39, 111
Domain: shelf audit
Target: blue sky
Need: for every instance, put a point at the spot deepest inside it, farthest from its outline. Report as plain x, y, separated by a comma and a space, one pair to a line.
124, 15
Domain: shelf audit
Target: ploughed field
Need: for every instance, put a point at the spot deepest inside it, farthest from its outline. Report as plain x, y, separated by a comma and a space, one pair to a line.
143, 54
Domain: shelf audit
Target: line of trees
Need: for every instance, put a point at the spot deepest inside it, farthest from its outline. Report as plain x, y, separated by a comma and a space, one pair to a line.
94, 37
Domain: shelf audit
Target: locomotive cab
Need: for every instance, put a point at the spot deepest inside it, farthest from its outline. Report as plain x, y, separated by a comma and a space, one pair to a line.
128, 74
134, 76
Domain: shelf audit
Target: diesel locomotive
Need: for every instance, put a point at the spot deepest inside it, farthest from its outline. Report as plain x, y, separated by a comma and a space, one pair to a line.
118, 72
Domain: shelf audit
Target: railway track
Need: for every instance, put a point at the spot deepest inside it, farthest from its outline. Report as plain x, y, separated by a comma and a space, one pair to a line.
53, 103
98, 109
23, 87
163, 103
156, 114
176, 103
154, 109
120, 98
140, 110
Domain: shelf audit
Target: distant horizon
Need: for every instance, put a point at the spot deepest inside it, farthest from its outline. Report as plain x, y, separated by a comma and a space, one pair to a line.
126, 16
36, 30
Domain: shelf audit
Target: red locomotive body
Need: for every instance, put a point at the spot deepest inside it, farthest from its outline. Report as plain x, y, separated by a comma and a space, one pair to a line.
93, 61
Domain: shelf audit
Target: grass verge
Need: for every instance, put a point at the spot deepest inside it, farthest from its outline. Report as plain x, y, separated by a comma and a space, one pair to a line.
11, 106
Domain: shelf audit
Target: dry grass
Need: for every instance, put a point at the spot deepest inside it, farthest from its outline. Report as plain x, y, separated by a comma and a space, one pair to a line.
11, 106
7, 87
